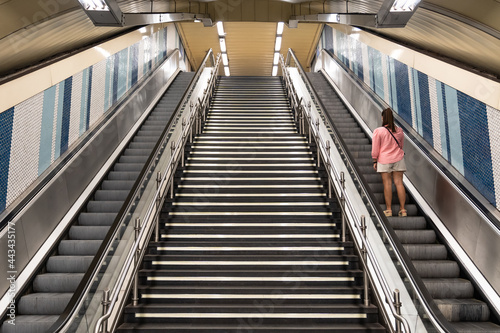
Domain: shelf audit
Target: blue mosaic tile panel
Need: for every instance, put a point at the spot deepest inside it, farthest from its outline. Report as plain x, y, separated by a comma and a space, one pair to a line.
6, 121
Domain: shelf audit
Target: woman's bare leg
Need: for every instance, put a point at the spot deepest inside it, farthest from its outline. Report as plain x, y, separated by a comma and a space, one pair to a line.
387, 180
398, 181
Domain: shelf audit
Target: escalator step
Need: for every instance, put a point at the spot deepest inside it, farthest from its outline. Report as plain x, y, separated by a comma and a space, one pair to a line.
79, 232
68, 264
43, 303
57, 282
464, 309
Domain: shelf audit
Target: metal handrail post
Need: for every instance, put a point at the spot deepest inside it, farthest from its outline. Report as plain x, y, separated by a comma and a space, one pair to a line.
364, 253
105, 305
158, 203
303, 120
309, 121
328, 166
318, 143
200, 114
135, 298
342, 204
172, 173
397, 306
191, 122
183, 141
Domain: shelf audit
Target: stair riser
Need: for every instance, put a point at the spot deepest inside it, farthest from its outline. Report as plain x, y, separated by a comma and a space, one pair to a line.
254, 320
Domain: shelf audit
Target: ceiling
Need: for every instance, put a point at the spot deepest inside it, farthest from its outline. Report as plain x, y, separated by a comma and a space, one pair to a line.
250, 45
34, 32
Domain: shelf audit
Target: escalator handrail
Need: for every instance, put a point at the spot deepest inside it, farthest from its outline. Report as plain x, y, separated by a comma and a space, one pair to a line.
95, 265
407, 265
127, 265
365, 243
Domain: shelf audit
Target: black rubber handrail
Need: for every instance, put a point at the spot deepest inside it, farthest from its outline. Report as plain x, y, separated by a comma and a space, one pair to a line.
424, 294
110, 236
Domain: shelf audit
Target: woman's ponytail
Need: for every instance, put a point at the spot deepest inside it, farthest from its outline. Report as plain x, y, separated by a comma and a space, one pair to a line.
388, 119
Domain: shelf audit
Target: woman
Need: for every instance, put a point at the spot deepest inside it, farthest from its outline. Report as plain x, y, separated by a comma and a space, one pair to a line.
388, 160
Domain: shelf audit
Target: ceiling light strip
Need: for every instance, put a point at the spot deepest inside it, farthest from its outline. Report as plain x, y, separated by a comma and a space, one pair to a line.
277, 47
223, 47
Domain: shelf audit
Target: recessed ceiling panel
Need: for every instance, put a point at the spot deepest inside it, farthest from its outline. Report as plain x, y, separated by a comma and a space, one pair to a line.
198, 40
302, 41
449, 38
34, 31
250, 47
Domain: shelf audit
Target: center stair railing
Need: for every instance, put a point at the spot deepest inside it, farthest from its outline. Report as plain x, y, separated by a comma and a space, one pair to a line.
313, 123
116, 275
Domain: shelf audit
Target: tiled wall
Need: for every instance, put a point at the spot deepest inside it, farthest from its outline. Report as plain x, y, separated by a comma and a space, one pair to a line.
34, 133
459, 127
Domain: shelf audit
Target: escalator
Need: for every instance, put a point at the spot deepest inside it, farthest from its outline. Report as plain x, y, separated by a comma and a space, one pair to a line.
54, 285
453, 293
251, 242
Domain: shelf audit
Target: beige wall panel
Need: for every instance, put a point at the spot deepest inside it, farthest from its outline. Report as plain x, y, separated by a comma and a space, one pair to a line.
68, 32
485, 11
248, 10
286, 12
15, 15
302, 41
275, 11
220, 9
250, 47
198, 40
449, 38
234, 9
261, 10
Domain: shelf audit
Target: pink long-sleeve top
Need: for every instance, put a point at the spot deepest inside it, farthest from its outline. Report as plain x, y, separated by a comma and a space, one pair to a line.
384, 148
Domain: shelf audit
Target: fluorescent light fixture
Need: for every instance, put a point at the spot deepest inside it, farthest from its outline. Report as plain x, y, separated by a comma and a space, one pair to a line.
277, 46
275, 70
222, 42
276, 58
404, 5
226, 71
225, 61
97, 5
279, 31
220, 28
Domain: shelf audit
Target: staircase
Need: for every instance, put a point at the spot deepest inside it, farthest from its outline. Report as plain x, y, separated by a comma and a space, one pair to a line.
453, 293
250, 243
53, 287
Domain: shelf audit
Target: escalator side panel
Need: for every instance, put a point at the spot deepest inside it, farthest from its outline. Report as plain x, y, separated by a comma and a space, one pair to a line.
478, 237
41, 217
52, 288
455, 296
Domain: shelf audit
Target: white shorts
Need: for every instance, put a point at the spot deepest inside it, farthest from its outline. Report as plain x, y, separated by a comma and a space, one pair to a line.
396, 166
